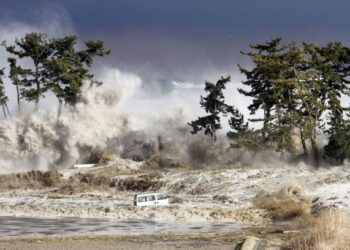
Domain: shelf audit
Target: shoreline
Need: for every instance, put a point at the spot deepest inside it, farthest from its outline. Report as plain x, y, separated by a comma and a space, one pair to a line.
270, 237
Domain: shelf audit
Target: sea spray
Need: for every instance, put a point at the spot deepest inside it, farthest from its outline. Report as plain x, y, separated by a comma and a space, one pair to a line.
41, 140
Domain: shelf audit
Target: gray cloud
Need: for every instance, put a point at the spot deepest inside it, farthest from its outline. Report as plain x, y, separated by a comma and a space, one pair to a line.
189, 39
186, 41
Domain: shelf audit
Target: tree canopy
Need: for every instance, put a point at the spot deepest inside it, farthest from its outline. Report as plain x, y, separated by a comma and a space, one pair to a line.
298, 89
56, 66
214, 105
3, 97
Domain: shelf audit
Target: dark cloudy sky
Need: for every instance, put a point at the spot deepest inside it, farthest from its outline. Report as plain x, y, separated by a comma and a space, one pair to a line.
188, 39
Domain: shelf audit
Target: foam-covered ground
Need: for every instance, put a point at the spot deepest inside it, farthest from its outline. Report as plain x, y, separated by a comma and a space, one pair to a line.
225, 194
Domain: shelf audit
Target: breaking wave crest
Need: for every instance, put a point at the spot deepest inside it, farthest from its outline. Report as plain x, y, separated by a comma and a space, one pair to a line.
40, 140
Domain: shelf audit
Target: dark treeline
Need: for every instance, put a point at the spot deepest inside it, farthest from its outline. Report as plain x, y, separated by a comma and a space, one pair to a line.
52, 65
298, 88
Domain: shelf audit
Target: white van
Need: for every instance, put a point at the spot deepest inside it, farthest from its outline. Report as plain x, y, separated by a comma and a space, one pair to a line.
151, 199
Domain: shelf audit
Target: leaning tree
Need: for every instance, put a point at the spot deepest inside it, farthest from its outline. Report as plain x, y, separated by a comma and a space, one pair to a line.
68, 68
3, 97
214, 105
33, 48
55, 65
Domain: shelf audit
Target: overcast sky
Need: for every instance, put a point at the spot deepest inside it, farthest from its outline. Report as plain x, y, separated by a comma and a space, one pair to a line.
181, 41
186, 39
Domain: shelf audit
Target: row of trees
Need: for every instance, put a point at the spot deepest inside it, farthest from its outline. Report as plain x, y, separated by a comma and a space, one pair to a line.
299, 88
51, 65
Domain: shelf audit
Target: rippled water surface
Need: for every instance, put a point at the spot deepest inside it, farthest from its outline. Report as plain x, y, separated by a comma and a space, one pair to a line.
22, 226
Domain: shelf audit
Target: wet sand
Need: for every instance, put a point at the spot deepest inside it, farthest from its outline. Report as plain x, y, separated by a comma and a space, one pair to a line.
110, 244
146, 241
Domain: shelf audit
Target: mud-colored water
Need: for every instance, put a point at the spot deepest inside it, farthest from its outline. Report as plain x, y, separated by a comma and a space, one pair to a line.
30, 226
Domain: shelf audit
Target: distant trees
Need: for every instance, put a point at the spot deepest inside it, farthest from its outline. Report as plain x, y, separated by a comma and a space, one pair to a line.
54, 66
298, 88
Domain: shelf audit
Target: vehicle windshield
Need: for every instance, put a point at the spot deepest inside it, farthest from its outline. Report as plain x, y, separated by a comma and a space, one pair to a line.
161, 197
146, 198
141, 199
151, 198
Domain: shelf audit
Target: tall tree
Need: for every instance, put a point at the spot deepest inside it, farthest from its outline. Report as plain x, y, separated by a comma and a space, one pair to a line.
271, 89
3, 97
334, 64
35, 47
18, 77
240, 134
338, 147
287, 80
56, 66
261, 88
68, 68
213, 104
330, 66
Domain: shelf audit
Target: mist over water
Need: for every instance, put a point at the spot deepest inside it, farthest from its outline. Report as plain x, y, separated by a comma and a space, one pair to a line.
39, 140
118, 117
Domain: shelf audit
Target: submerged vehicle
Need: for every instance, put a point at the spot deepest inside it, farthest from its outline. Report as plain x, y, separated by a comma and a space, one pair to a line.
151, 199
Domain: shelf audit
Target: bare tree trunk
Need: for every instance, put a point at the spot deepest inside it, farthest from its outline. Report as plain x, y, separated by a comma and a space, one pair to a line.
7, 109
315, 152
302, 139
37, 98
59, 111
37, 86
18, 99
267, 117
213, 126
3, 109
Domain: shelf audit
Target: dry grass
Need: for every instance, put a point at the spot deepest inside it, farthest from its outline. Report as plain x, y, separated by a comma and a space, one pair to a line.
141, 183
287, 203
94, 180
162, 162
330, 230
34, 179
80, 182
53, 179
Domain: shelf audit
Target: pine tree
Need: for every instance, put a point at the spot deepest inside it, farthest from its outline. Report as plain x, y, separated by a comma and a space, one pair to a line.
34, 46
332, 64
18, 77
335, 67
338, 146
271, 90
213, 104
3, 97
288, 85
68, 68
56, 66
241, 135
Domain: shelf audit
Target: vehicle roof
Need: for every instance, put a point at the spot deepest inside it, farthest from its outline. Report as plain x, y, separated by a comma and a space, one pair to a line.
150, 193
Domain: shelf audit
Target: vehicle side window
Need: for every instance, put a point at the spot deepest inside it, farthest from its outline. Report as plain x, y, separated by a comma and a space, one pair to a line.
161, 197
151, 198
142, 199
